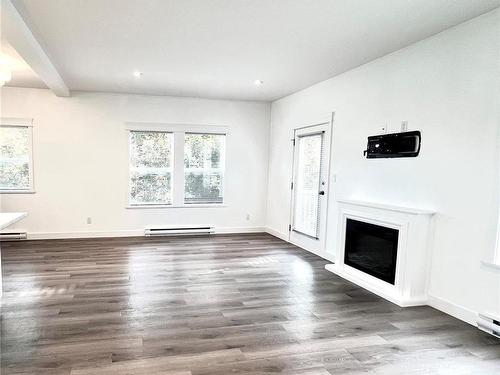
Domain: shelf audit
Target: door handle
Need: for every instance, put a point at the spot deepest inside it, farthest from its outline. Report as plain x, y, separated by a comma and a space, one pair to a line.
322, 192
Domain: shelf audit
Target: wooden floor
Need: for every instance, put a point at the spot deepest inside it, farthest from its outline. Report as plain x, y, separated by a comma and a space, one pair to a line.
236, 304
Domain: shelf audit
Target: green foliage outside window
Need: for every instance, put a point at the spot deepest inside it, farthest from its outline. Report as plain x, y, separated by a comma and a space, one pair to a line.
150, 167
203, 168
14, 158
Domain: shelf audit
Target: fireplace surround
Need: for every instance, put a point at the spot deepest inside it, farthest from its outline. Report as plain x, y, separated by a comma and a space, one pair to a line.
385, 249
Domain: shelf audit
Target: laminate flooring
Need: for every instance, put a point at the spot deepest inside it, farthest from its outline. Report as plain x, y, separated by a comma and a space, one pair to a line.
224, 304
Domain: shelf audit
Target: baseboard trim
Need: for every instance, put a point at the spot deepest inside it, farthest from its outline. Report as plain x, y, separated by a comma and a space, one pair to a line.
450, 308
127, 233
82, 234
284, 237
277, 233
236, 230
321, 254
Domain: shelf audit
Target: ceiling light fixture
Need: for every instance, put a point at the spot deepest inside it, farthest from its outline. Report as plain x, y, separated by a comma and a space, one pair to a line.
258, 82
137, 74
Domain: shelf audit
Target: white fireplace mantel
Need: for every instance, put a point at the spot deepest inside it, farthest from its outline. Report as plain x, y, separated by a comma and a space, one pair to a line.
387, 207
412, 264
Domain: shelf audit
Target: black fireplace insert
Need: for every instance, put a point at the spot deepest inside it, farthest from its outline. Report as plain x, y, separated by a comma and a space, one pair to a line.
371, 249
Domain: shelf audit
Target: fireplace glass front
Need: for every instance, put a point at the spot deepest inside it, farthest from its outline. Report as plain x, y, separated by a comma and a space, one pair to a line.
371, 249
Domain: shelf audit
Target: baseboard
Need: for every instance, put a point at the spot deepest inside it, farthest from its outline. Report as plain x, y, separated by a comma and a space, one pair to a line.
235, 230
277, 233
321, 254
450, 308
284, 237
84, 234
126, 233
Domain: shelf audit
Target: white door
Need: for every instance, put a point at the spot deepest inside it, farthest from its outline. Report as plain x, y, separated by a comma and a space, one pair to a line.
311, 158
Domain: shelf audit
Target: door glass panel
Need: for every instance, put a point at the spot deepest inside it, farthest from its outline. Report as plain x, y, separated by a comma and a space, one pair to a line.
307, 184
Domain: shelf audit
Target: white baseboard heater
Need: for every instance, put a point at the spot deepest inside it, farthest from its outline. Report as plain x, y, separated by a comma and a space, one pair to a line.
488, 323
176, 230
13, 235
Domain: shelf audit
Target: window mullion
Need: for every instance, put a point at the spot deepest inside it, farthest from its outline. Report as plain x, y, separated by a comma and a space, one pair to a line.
178, 170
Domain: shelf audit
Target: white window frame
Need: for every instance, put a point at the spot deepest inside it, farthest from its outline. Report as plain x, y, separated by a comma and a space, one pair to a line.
221, 170
179, 131
144, 204
10, 122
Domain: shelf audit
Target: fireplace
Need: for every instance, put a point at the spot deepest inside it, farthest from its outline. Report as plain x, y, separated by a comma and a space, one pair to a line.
371, 249
385, 249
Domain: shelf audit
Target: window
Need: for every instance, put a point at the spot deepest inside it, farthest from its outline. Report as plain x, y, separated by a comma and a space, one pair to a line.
176, 167
150, 167
16, 166
203, 168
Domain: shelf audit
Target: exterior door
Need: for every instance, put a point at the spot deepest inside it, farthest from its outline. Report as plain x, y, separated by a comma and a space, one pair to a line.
310, 187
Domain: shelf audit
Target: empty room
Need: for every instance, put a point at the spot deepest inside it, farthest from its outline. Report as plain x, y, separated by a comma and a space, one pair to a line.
215, 187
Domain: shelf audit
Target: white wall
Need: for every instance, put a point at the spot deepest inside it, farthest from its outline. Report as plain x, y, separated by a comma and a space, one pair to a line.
81, 166
447, 86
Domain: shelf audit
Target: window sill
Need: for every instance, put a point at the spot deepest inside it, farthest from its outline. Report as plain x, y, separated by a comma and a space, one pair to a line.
491, 265
147, 206
17, 191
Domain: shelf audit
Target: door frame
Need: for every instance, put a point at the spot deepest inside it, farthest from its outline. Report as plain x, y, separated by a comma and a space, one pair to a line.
328, 121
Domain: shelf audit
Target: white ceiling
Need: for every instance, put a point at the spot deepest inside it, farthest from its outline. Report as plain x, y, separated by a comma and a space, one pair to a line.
218, 48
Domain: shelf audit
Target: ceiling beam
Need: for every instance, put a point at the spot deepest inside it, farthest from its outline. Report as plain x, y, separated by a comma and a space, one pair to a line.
18, 33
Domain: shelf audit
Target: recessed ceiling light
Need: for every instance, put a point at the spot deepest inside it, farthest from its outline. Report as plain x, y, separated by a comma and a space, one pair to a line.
137, 74
258, 82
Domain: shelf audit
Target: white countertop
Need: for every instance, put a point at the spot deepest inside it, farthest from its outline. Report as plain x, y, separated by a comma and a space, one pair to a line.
9, 218
390, 207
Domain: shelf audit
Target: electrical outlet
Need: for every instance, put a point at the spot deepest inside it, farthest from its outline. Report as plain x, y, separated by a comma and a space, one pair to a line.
404, 126
89, 220
248, 217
